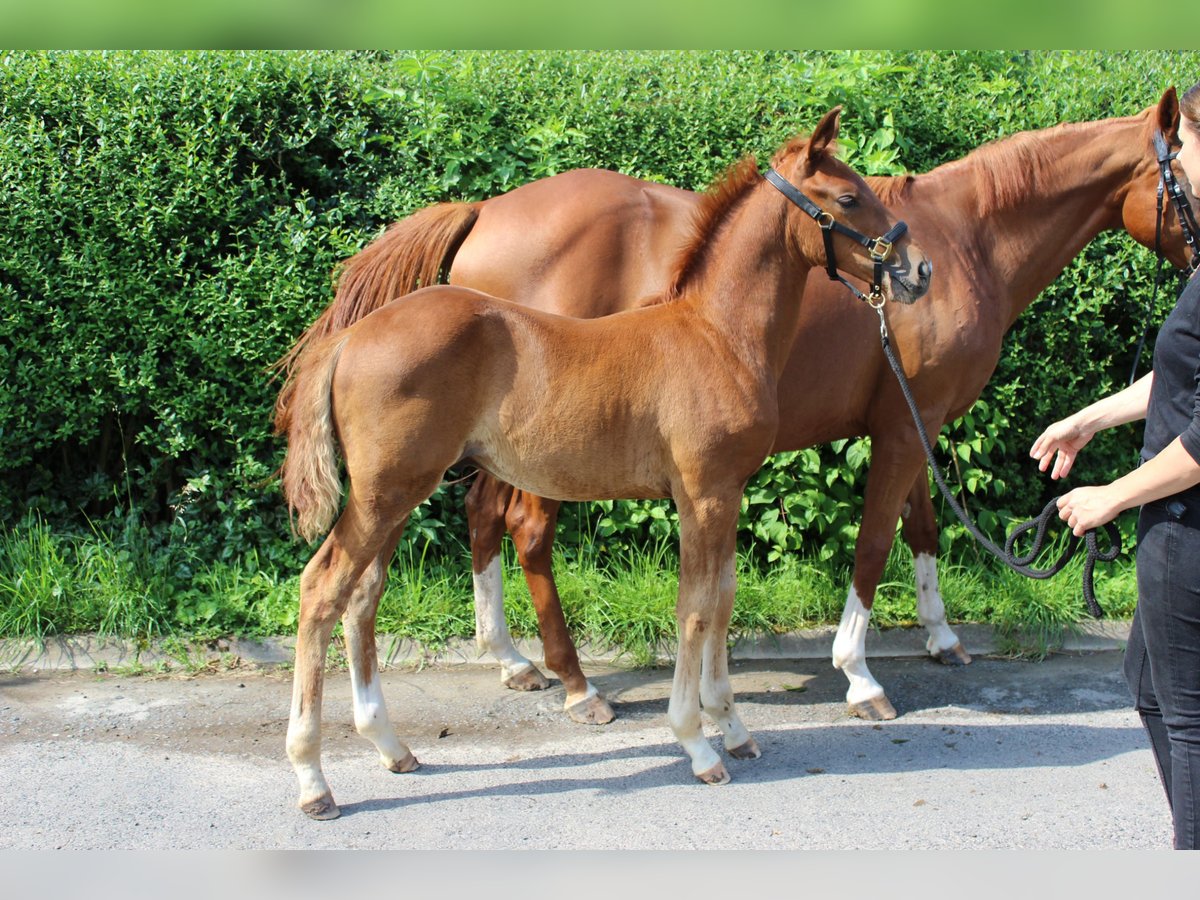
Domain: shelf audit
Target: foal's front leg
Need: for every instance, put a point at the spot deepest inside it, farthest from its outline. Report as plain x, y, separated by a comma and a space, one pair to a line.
707, 530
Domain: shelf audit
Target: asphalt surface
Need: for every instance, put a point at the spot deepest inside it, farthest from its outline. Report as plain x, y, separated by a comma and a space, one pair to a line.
1000, 754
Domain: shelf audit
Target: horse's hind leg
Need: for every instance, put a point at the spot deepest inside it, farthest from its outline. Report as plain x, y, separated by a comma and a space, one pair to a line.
895, 463
370, 711
920, 533
486, 502
531, 521
707, 531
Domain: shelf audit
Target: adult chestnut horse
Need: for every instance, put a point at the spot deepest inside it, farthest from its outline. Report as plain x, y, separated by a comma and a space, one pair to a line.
1002, 223
677, 400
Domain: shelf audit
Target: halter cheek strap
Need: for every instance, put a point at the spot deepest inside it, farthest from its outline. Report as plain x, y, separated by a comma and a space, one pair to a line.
1167, 183
879, 248
1187, 218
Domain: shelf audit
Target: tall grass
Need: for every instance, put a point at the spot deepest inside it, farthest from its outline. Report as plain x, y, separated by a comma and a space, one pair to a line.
118, 584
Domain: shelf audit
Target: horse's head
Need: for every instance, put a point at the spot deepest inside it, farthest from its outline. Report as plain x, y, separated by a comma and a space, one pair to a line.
1140, 207
849, 218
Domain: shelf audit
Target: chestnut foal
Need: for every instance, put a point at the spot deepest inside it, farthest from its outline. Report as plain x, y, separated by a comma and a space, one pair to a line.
677, 399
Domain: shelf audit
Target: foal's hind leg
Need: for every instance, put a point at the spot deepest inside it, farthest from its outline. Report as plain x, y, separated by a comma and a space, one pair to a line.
707, 530
486, 502
325, 589
920, 533
370, 711
531, 521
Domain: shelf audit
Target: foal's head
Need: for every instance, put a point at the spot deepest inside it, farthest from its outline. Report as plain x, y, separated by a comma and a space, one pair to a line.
811, 166
1139, 204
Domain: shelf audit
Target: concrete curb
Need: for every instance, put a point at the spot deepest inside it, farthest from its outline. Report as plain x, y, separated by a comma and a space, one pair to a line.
88, 652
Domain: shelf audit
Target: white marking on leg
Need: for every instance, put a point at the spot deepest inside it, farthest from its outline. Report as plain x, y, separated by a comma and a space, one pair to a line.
491, 630
716, 691
931, 611
850, 651
683, 710
371, 720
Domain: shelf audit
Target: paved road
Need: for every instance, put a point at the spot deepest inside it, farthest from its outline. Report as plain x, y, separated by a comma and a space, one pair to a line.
1000, 754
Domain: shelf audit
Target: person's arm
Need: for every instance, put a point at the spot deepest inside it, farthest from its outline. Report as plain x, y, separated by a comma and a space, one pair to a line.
1063, 440
1171, 471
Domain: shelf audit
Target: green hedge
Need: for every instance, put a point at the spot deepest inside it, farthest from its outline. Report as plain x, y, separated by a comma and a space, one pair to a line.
171, 223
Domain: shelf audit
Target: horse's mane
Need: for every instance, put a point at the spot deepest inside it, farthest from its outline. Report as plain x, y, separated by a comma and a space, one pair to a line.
716, 204
1011, 168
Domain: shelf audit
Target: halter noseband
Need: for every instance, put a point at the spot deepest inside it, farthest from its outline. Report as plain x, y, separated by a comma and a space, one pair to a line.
1187, 219
879, 248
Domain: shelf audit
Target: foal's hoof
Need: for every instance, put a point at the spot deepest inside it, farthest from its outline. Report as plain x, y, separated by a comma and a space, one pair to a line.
323, 808
748, 750
527, 678
716, 775
954, 656
593, 710
877, 709
400, 766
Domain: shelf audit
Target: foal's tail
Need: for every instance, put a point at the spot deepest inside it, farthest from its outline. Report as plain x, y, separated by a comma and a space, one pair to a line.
412, 253
310, 471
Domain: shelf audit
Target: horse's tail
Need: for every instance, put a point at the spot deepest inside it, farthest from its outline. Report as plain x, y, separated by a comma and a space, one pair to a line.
311, 483
412, 253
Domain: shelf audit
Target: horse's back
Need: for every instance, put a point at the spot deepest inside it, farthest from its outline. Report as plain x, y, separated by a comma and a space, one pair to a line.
585, 243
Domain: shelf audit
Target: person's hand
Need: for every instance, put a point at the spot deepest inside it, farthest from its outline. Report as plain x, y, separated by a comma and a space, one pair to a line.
1088, 507
1061, 442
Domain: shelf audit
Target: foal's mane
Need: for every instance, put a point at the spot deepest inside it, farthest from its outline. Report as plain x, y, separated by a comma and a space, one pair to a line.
715, 206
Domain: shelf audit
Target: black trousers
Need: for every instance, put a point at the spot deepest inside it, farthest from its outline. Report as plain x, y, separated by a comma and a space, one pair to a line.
1162, 660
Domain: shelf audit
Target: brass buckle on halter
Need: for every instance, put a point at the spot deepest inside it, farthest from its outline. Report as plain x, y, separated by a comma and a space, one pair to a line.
824, 219
880, 249
875, 299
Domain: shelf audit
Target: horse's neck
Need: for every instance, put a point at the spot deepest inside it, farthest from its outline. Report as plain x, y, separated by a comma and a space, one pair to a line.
1064, 188
750, 286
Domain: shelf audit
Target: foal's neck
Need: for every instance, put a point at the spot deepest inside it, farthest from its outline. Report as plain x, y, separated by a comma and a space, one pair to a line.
1029, 205
750, 284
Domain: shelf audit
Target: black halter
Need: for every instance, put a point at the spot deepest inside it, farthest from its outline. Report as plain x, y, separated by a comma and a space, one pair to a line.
880, 248
1167, 183
1187, 219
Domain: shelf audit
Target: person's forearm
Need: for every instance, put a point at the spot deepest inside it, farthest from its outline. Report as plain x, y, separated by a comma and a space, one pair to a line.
1124, 406
1171, 471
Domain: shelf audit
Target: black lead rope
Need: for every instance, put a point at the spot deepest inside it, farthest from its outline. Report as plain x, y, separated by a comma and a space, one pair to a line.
1007, 555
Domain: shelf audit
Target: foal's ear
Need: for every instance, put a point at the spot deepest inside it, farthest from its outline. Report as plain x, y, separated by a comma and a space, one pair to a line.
1167, 115
823, 136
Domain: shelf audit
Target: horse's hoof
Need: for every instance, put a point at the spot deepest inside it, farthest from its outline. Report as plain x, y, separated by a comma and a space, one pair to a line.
322, 809
748, 750
877, 709
954, 656
527, 678
716, 775
400, 766
593, 710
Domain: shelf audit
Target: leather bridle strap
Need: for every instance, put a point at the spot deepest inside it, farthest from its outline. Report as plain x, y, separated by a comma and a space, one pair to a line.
879, 248
1187, 218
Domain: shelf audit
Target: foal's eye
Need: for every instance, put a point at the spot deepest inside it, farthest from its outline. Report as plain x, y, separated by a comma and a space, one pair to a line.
847, 201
